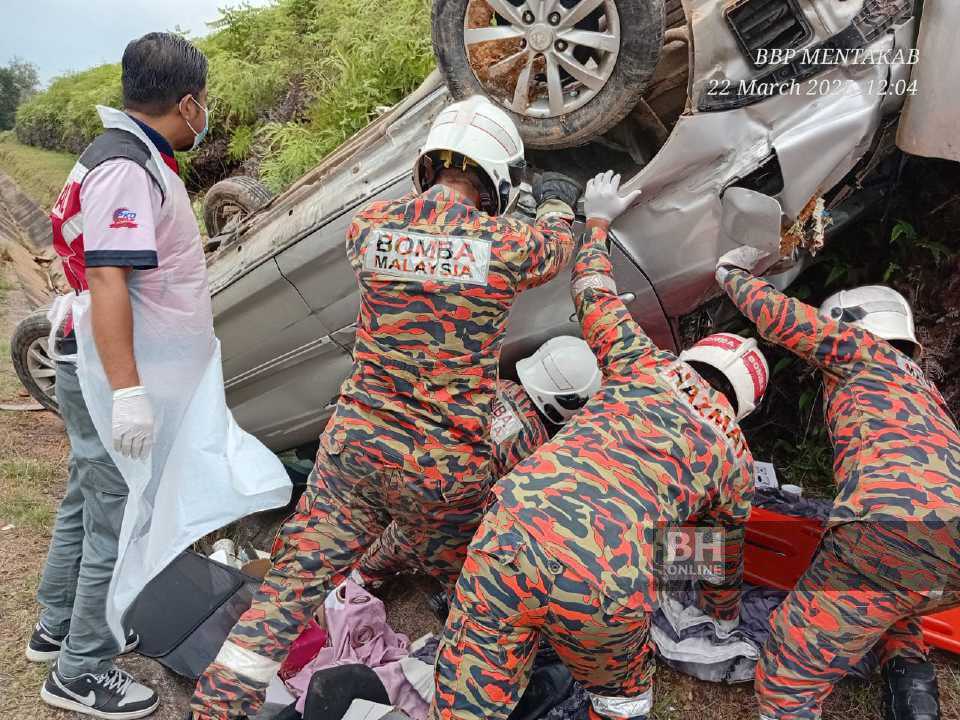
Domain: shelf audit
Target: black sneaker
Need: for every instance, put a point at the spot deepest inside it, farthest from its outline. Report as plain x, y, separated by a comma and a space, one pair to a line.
44, 646
112, 695
910, 691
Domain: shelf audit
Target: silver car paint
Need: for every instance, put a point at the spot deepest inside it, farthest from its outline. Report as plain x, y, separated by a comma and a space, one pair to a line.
931, 118
285, 297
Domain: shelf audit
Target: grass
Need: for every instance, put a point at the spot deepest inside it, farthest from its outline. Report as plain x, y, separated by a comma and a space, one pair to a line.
38, 173
25, 486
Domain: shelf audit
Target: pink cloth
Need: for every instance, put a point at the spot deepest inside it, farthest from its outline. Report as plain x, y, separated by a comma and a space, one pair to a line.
359, 633
304, 649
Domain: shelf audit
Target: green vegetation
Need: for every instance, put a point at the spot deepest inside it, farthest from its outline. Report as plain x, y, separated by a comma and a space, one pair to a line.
39, 173
18, 81
290, 83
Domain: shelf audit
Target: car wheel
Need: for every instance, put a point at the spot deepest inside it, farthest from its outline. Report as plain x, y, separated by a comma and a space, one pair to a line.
232, 199
566, 70
31, 361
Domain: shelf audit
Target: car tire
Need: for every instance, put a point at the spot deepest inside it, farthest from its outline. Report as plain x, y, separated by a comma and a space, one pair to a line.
31, 362
641, 28
240, 195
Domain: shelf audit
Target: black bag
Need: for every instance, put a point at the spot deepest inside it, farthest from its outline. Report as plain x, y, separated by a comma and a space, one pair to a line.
186, 612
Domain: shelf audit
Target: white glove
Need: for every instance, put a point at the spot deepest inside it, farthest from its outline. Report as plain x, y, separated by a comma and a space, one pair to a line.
132, 422
602, 200
744, 257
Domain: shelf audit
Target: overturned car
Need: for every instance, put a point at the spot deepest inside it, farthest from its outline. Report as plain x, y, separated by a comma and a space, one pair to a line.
735, 117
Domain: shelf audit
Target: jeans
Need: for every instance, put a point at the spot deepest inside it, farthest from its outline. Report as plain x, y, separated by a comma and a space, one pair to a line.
76, 577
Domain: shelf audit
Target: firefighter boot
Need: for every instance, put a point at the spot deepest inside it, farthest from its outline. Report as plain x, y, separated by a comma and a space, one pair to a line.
910, 691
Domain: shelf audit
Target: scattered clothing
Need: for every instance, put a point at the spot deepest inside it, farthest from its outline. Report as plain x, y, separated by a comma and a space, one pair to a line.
304, 649
359, 634
787, 503
330, 691
694, 643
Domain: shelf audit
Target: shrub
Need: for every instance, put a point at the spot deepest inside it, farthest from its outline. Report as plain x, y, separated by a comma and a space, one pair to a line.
289, 82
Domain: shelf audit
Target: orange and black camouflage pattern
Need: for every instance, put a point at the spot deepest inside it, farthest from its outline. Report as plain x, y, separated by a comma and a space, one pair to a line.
569, 552
516, 431
656, 447
510, 596
896, 447
427, 351
409, 440
852, 599
894, 547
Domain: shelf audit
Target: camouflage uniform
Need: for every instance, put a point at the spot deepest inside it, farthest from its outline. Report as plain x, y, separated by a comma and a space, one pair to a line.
893, 552
516, 430
410, 438
568, 552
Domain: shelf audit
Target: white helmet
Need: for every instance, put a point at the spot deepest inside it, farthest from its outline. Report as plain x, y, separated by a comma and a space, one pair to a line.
740, 361
560, 377
482, 134
875, 308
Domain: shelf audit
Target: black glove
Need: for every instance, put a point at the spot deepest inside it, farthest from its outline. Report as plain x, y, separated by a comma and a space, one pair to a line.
556, 186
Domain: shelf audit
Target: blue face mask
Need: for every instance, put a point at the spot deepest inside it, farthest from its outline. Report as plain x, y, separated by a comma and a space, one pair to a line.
199, 136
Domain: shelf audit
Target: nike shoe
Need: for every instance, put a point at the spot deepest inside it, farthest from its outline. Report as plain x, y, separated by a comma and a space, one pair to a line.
113, 695
44, 646
910, 691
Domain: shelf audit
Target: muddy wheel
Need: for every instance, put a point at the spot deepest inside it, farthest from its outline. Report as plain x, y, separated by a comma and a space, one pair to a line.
233, 198
33, 365
566, 70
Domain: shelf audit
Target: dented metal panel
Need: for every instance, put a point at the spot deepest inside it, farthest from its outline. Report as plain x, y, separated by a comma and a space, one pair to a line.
930, 125
343, 181
674, 229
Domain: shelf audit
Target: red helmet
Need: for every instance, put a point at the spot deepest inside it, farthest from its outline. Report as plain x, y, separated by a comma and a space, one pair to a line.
740, 361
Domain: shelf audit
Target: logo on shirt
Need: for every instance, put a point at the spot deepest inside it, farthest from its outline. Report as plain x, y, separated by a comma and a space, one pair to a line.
505, 423
124, 218
692, 388
427, 257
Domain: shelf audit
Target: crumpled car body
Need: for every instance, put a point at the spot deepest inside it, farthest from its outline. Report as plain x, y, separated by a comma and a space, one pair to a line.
806, 135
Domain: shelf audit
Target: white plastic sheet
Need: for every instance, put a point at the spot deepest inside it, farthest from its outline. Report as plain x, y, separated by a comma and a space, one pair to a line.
204, 471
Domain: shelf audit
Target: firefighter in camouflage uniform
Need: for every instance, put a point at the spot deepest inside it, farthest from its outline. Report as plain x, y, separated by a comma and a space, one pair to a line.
892, 550
567, 554
409, 440
516, 431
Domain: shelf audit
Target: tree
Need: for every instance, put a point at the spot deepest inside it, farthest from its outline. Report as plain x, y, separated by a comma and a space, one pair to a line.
18, 81
9, 98
25, 76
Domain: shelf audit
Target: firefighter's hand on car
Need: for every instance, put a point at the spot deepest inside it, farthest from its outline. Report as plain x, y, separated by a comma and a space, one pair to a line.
556, 187
132, 422
744, 258
602, 199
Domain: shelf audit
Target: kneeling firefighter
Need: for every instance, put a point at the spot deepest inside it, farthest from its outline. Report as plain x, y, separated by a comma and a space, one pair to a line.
563, 367
409, 442
892, 550
567, 554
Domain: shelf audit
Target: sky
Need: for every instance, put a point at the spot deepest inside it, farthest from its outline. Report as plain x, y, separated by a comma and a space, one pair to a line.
62, 35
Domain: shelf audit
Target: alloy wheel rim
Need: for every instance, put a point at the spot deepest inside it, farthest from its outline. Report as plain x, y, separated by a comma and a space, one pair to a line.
542, 58
41, 367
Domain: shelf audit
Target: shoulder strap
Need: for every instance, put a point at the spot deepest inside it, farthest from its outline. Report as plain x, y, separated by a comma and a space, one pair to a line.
115, 143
